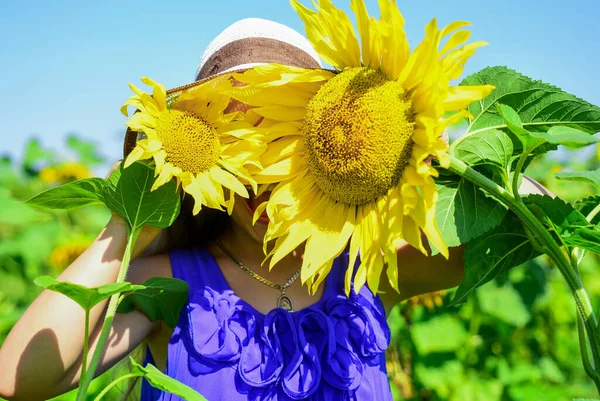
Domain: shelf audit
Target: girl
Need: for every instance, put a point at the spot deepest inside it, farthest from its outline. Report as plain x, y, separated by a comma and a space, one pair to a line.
234, 340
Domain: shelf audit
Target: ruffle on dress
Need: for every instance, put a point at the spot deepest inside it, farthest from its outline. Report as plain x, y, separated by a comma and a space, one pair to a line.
286, 355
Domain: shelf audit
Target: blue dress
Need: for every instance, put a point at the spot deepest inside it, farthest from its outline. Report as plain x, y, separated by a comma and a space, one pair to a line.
333, 350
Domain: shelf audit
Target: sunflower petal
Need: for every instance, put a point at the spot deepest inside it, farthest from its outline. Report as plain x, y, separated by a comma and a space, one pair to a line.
460, 97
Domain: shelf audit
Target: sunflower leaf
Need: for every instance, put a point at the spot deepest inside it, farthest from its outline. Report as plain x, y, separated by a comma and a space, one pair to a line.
127, 193
88, 191
567, 136
86, 297
540, 106
494, 254
161, 299
590, 177
464, 212
556, 214
515, 125
585, 238
586, 205
159, 380
489, 147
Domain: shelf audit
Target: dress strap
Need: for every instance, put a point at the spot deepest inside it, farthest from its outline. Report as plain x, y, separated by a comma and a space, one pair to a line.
198, 268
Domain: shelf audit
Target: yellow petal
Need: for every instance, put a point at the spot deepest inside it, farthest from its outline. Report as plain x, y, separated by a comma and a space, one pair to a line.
212, 192
394, 44
164, 176
159, 93
136, 154
281, 113
364, 30
228, 180
282, 170
192, 187
355, 242
460, 97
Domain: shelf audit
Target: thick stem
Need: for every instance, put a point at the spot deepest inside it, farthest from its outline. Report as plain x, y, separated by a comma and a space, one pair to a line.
86, 347
551, 248
110, 314
585, 355
114, 383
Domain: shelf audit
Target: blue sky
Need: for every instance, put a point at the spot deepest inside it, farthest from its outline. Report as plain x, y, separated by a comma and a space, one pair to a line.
64, 66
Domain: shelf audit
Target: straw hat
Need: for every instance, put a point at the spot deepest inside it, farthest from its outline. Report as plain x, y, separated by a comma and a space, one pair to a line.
243, 45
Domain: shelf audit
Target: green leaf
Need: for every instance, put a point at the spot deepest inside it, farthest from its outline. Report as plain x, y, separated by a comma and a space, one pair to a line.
15, 212
556, 213
584, 238
515, 125
34, 153
477, 389
443, 379
489, 147
463, 212
127, 193
87, 151
161, 299
86, 297
493, 254
589, 177
567, 136
88, 191
551, 371
503, 303
159, 380
427, 339
539, 105
586, 205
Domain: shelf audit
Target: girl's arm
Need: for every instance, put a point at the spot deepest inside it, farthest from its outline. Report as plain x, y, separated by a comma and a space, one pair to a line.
420, 274
41, 357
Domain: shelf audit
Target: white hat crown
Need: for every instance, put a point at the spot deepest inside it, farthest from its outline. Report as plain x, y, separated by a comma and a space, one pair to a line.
256, 28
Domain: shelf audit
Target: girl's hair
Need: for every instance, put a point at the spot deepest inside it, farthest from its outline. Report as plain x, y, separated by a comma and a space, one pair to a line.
189, 231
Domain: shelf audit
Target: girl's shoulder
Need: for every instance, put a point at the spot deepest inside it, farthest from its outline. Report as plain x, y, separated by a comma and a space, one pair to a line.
147, 267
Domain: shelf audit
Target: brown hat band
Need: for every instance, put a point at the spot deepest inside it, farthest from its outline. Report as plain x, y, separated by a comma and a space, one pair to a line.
255, 50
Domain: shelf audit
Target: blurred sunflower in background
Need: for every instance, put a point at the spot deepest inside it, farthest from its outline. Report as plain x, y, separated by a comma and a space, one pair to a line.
191, 138
64, 172
65, 254
350, 149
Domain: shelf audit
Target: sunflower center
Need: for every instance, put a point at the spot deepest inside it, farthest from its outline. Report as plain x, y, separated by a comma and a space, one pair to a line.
358, 135
190, 142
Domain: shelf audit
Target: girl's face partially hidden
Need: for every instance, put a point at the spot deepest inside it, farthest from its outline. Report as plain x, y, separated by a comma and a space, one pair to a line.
243, 211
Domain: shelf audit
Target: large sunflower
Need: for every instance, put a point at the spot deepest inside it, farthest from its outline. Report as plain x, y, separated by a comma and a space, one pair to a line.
351, 148
190, 138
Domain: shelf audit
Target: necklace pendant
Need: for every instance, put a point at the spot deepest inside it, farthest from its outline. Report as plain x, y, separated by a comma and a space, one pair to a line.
284, 302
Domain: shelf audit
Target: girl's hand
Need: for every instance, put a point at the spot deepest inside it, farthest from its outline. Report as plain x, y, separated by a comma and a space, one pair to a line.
118, 226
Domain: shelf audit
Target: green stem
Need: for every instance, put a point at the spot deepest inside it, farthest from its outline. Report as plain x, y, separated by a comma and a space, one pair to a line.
515, 181
86, 344
114, 383
585, 354
551, 248
108, 318
593, 213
